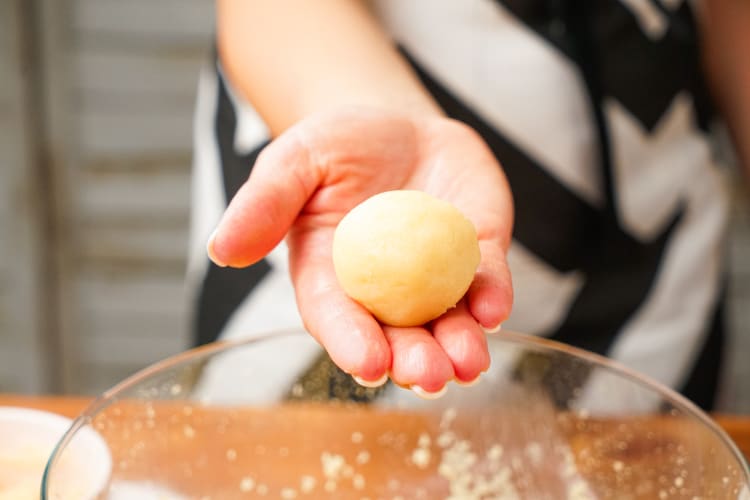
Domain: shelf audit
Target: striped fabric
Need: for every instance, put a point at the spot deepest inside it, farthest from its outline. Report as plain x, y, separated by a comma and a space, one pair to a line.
598, 113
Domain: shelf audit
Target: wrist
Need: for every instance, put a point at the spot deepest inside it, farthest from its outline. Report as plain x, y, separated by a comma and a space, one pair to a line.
326, 97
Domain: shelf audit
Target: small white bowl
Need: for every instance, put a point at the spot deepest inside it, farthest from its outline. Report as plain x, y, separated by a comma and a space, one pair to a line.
27, 439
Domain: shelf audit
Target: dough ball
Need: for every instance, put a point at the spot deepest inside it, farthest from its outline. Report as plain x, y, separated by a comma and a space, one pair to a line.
406, 256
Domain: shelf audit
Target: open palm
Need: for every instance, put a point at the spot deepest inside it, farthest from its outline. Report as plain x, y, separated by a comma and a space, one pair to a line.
307, 179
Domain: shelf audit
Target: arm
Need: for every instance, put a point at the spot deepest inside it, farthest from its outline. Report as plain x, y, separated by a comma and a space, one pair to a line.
726, 32
293, 58
351, 120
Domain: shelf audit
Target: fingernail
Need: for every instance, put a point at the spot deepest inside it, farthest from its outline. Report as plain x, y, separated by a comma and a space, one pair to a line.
468, 383
493, 329
210, 251
371, 383
429, 395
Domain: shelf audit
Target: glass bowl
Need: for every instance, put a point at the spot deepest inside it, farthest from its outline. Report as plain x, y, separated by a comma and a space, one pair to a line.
272, 417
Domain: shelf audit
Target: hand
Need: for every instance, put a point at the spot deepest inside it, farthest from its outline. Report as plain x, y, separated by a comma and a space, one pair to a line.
307, 179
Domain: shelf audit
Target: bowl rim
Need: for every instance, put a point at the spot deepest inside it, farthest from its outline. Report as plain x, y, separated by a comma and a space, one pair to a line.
110, 396
54, 423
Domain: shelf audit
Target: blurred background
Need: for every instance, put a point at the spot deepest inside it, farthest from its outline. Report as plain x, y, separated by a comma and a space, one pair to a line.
96, 104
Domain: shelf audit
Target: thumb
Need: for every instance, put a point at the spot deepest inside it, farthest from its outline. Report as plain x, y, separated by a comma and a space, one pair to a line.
260, 214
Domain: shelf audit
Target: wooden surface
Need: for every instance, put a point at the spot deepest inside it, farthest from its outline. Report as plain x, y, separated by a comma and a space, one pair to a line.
283, 447
738, 427
288, 441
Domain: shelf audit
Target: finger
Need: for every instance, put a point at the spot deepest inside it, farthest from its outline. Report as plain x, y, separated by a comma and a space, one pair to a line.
265, 206
352, 337
490, 296
463, 341
418, 360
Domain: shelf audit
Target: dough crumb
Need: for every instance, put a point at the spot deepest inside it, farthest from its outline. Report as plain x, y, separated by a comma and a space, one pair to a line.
307, 484
288, 493
247, 484
421, 457
333, 465
362, 457
358, 481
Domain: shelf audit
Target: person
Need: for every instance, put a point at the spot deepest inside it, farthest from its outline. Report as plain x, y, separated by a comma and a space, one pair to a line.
573, 134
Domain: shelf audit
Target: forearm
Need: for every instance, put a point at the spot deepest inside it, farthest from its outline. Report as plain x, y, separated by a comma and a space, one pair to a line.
726, 34
291, 58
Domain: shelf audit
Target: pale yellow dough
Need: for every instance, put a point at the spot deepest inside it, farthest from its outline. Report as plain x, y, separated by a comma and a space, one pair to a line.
405, 256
